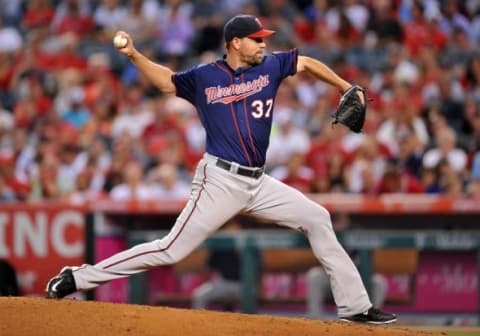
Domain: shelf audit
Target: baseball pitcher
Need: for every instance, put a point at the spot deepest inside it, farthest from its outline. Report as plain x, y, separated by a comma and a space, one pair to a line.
235, 98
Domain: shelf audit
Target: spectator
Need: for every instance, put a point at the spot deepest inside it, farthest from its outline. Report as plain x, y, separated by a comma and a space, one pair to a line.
175, 29
474, 186
421, 52
452, 18
474, 139
83, 188
173, 153
367, 168
476, 25
12, 182
68, 169
98, 156
133, 187
109, 15
472, 76
32, 103
285, 37
325, 144
38, 15
62, 8
99, 81
447, 94
133, 115
124, 150
77, 113
474, 189
404, 123
11, 11
166, 180
72, 18
446, 150
395, 180
7, 124
410, 154
229, 8
295, 173
66, 55
44, 178
436, 122
6, 193
357, 13
7, 75
100, 124
55, 131
450, 182
430, 180
163, 123
385, 27
330, 170
139, 21
208, 26
11, 41
336, 173
460, 50
90, 171
405, 70
23, 150
421, 32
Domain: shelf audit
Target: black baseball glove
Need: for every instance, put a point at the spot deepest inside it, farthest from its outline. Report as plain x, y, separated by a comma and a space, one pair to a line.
351, 110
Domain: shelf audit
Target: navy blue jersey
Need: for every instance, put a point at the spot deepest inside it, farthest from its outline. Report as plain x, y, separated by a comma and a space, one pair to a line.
236, 107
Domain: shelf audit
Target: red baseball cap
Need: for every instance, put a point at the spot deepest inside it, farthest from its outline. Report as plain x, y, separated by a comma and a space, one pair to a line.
245, 26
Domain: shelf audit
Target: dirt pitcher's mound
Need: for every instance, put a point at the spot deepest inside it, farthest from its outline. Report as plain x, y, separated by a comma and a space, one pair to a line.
21, 316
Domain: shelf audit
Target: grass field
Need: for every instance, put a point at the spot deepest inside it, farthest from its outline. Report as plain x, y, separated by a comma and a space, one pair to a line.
450, 331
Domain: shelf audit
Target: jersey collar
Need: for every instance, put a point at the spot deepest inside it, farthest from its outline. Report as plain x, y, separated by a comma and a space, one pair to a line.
240, 70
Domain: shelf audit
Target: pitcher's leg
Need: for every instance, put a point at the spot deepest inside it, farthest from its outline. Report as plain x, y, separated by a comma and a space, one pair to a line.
209, 206
289, 207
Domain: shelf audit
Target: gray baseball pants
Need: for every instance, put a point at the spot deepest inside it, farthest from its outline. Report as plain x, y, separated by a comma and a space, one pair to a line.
217, 195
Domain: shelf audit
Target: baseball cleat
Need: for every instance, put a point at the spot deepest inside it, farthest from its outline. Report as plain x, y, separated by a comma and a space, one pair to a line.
61, 285
372, 316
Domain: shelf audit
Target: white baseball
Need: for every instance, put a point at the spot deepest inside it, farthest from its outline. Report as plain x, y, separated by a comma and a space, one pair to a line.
119, 41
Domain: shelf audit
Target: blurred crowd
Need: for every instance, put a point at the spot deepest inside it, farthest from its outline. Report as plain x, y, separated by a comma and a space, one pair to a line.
78, 122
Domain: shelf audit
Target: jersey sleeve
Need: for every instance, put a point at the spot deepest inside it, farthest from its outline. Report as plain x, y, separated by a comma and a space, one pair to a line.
185, 84
288, 62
